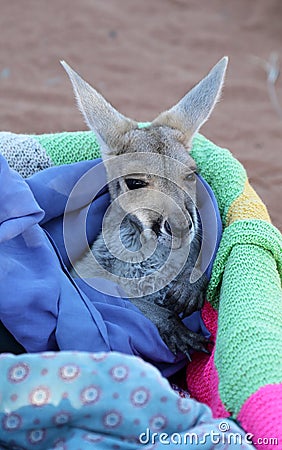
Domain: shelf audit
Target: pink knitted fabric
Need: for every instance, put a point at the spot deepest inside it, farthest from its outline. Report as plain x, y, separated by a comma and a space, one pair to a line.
264, 426
202, 368
264, 423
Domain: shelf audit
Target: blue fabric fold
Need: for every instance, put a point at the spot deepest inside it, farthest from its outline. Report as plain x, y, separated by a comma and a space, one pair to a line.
40, 304
78, 400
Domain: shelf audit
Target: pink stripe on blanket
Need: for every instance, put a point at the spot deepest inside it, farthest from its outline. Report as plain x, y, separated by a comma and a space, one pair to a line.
202, 376
261, 415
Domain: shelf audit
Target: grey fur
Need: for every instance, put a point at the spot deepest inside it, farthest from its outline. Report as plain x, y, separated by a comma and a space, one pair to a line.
157, 222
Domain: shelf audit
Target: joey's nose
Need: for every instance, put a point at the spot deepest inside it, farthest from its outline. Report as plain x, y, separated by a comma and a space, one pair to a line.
170, 229
156, 226
167, 228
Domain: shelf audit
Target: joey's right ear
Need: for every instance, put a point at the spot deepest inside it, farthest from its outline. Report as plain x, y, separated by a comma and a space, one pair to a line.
194, 109
107, 123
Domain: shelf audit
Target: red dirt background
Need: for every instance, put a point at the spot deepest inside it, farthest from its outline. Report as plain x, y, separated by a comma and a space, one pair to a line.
144, 56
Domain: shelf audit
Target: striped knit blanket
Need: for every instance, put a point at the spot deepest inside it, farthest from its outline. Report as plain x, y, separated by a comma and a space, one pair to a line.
244, 309
243, 376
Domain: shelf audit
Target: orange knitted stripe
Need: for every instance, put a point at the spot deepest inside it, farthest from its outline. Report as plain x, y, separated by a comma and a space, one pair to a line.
247, 206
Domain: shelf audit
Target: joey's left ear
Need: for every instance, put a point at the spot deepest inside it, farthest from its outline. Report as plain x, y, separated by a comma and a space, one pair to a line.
108, 124
194, 109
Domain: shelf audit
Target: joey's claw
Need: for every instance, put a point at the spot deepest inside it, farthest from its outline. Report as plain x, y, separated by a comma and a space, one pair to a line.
178, 338
187, 354
206, 351
201, 345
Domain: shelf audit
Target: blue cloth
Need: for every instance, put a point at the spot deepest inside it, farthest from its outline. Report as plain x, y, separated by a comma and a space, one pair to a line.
41, 305
102, 401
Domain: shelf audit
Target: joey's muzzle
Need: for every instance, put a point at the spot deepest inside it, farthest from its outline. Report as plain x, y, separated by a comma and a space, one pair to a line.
158, 211
167, 230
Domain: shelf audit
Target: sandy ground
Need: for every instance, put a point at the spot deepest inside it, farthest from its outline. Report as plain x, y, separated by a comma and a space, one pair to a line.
143, 56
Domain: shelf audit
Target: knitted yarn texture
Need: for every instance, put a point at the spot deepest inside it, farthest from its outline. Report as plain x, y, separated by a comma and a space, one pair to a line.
69, 147
23, 153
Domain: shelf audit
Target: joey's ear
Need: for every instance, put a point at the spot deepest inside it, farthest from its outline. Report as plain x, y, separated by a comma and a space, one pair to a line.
194, 109
107, 123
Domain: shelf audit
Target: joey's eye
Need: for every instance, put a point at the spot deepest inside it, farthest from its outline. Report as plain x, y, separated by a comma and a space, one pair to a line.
190, 176
134, 183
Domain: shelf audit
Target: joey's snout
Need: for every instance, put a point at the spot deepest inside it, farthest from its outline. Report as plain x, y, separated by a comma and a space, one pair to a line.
168, 230
171, 232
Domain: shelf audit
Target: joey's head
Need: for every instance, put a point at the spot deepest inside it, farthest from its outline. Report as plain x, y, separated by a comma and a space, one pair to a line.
150, 172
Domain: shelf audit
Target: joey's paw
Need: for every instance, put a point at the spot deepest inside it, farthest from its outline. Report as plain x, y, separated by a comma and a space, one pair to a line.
186, 298
195, 303
179, 338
